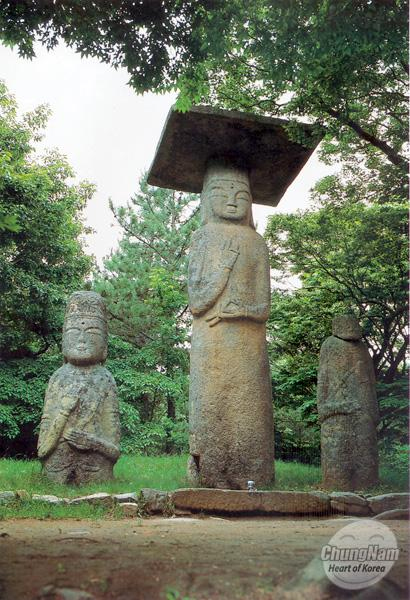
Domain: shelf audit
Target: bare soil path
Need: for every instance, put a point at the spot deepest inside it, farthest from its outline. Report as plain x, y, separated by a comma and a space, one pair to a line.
199, 558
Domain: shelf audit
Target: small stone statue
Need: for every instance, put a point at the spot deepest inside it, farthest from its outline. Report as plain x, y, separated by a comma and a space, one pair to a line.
348, 410
231, 421
80, 428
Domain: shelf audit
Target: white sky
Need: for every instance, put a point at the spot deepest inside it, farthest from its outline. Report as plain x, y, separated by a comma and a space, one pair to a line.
109, 133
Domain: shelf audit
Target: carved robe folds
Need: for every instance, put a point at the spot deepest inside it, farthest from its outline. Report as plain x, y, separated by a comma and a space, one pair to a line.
231, 422
83, 399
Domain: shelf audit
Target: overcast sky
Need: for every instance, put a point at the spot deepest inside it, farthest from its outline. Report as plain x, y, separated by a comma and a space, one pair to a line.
108, 132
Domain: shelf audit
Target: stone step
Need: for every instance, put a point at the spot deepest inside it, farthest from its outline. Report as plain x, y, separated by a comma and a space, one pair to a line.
241, 501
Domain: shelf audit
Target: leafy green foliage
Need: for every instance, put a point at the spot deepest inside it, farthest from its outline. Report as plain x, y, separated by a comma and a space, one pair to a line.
353, 256
342, 64
296, 437
393, 401
155, 40
144, 281
348, 253
145, 393
144, 285
41, 255
23, 383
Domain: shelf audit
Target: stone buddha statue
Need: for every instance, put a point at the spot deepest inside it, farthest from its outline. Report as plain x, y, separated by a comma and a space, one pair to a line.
80, 429
231, 421
348, 409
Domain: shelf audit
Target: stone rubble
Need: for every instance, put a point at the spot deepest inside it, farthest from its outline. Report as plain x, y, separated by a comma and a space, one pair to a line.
389, 515
50, 499
349, 503
385, 502
6, 497
130, 509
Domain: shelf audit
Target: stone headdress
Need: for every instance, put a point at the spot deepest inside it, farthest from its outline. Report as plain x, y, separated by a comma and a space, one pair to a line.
83, 306
86, 305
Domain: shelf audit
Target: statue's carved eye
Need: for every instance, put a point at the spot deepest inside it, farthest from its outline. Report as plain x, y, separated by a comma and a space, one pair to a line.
94, 330
242, 195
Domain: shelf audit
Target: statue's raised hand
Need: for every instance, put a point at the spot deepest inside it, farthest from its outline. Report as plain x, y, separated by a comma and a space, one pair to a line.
45, 448
230, 252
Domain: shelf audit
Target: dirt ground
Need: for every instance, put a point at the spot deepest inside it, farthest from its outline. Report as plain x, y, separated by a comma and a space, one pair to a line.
184, 558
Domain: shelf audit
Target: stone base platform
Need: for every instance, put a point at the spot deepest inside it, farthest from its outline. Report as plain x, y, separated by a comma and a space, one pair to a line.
235, 502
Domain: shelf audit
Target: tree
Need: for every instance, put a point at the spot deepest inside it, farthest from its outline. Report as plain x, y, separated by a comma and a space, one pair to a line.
155, 40
41, 261
350, 254
144, 285
343, 65
356, 256
41, 255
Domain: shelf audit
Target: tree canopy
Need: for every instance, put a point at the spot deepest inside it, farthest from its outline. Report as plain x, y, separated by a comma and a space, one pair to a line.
355, 257
41, 253
144, 286
349, 254
154, 40
341, 64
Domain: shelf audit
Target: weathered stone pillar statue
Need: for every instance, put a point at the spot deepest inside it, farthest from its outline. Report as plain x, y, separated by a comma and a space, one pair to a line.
348, 410
80, 428
233, 158
231, 421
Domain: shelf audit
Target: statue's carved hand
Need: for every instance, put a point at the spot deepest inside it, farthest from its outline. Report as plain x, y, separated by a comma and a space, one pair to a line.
44, 449
230, 310
80, 439
68, 403
230, 252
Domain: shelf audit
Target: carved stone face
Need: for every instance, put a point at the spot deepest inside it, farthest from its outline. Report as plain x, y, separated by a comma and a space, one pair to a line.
227, 195
346, 327
84, 341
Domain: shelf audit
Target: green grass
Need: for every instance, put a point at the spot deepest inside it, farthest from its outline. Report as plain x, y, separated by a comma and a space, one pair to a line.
295, 476
131, 474
135, 472
42, 510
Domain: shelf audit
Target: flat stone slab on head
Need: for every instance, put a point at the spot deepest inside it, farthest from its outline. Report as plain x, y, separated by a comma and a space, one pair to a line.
261, 144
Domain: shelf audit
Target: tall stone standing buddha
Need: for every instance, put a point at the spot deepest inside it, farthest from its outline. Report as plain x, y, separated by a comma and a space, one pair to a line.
230, 410
80, 428
233, 159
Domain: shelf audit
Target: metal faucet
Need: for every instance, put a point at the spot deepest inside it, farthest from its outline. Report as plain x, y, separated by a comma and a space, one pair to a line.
251, 486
